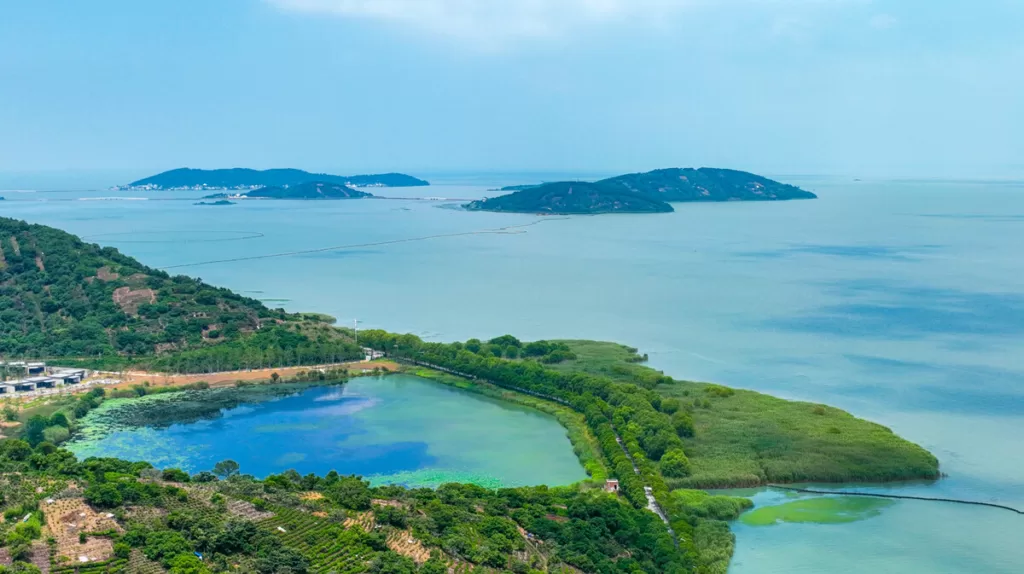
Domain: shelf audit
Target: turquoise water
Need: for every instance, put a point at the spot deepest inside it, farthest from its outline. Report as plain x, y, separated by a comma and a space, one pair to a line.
395, 429
902, 302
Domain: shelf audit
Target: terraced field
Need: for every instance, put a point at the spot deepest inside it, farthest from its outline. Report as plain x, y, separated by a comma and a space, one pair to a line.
320, 541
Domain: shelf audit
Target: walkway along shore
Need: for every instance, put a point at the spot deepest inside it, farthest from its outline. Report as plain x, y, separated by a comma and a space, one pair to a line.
899, 496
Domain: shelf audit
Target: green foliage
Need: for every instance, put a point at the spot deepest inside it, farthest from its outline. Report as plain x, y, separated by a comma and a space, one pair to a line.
350, 492
225, 468
640, 192
675, 464
682, 421
175, 475
62, 297
104, 495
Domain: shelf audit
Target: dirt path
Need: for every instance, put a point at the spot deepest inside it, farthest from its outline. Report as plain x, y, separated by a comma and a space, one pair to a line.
130, 378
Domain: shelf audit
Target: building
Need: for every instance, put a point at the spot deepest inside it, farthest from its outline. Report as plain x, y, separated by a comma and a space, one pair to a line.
70, 376
611, 485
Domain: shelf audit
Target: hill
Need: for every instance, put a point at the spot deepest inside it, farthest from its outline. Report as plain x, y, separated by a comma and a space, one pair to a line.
62, 297
648, 192
705, 184
241, 178
571, 198
310, 190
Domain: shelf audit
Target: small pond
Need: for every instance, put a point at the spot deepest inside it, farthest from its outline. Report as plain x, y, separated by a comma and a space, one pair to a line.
395, 429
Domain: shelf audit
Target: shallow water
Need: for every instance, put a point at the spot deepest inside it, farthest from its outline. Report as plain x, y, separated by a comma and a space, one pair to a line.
395, 429
902, 302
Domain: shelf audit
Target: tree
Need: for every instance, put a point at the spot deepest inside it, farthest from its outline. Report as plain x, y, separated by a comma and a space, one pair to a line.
59, 419
104, 495
351, 492
683, 423
56, 434
187, 564
17, 449
10, 413
274, 376
175, 475
34, 429
675, 464
226, 468
669, 406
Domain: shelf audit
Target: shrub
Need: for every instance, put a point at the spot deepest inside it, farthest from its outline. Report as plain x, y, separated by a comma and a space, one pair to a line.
675, 464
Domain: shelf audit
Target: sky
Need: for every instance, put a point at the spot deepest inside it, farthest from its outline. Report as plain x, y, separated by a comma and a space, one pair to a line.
903, 88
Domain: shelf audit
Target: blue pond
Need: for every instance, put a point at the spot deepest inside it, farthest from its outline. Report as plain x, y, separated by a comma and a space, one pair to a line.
396, 429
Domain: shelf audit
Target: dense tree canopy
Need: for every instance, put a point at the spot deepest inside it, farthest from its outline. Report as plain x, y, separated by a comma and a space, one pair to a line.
62, 297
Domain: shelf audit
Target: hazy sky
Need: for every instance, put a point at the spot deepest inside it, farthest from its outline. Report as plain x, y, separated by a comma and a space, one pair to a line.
858, 87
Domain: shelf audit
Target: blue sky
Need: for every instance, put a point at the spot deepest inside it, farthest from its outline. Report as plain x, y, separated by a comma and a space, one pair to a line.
930, 88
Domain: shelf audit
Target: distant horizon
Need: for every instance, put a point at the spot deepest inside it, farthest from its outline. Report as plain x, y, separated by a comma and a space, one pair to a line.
83, 179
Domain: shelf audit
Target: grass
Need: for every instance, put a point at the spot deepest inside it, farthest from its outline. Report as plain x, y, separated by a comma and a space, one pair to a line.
745, 438
584, 443
824, 510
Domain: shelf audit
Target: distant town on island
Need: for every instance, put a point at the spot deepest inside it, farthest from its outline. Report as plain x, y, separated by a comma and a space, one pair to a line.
309, 190
245, 179
650, 192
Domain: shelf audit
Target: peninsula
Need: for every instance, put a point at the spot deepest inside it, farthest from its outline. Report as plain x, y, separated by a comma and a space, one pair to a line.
650, 192
649, 440
309, 190
242, 179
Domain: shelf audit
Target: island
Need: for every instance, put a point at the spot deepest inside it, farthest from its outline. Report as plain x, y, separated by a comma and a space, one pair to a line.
648, 442
218, 202
309, 190
650, 192
243, 179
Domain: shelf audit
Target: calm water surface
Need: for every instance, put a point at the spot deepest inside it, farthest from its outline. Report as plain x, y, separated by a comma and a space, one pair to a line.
395, 429
902, 302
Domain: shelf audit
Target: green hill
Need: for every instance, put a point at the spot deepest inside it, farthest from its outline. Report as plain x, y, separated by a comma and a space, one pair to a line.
242, 178
571, 198
311, 190
62, 297
648, 192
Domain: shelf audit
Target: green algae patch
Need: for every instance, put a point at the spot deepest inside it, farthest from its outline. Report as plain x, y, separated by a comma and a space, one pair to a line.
823, 510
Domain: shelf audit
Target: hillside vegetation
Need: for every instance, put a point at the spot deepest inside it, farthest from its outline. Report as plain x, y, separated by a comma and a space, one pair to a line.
648, 192
62, 297
129, 517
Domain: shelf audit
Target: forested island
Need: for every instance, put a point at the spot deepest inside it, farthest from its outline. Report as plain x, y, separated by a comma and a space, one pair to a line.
650, 192
242, 178
215, 203
309, 190
63, 298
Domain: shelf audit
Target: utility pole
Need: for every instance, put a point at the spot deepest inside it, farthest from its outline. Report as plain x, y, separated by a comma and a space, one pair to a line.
355, 329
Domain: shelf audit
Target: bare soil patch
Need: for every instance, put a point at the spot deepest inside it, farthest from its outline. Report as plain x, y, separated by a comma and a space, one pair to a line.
402, 542
228, 378
246, 510
105, 274
129, 299
67, 518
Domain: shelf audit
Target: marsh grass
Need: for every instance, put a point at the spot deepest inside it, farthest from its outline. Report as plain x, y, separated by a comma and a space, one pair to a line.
745, 438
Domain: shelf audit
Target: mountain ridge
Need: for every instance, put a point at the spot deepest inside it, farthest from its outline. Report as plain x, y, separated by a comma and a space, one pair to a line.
647, 192
245, 178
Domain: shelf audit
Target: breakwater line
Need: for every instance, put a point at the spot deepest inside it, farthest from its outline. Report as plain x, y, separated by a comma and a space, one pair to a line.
898, 496
507, 230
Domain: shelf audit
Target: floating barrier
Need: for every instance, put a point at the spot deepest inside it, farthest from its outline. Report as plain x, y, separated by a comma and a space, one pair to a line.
898, 496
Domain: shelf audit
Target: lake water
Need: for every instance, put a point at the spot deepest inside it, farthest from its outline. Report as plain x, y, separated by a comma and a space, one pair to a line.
395, 429
902, 302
